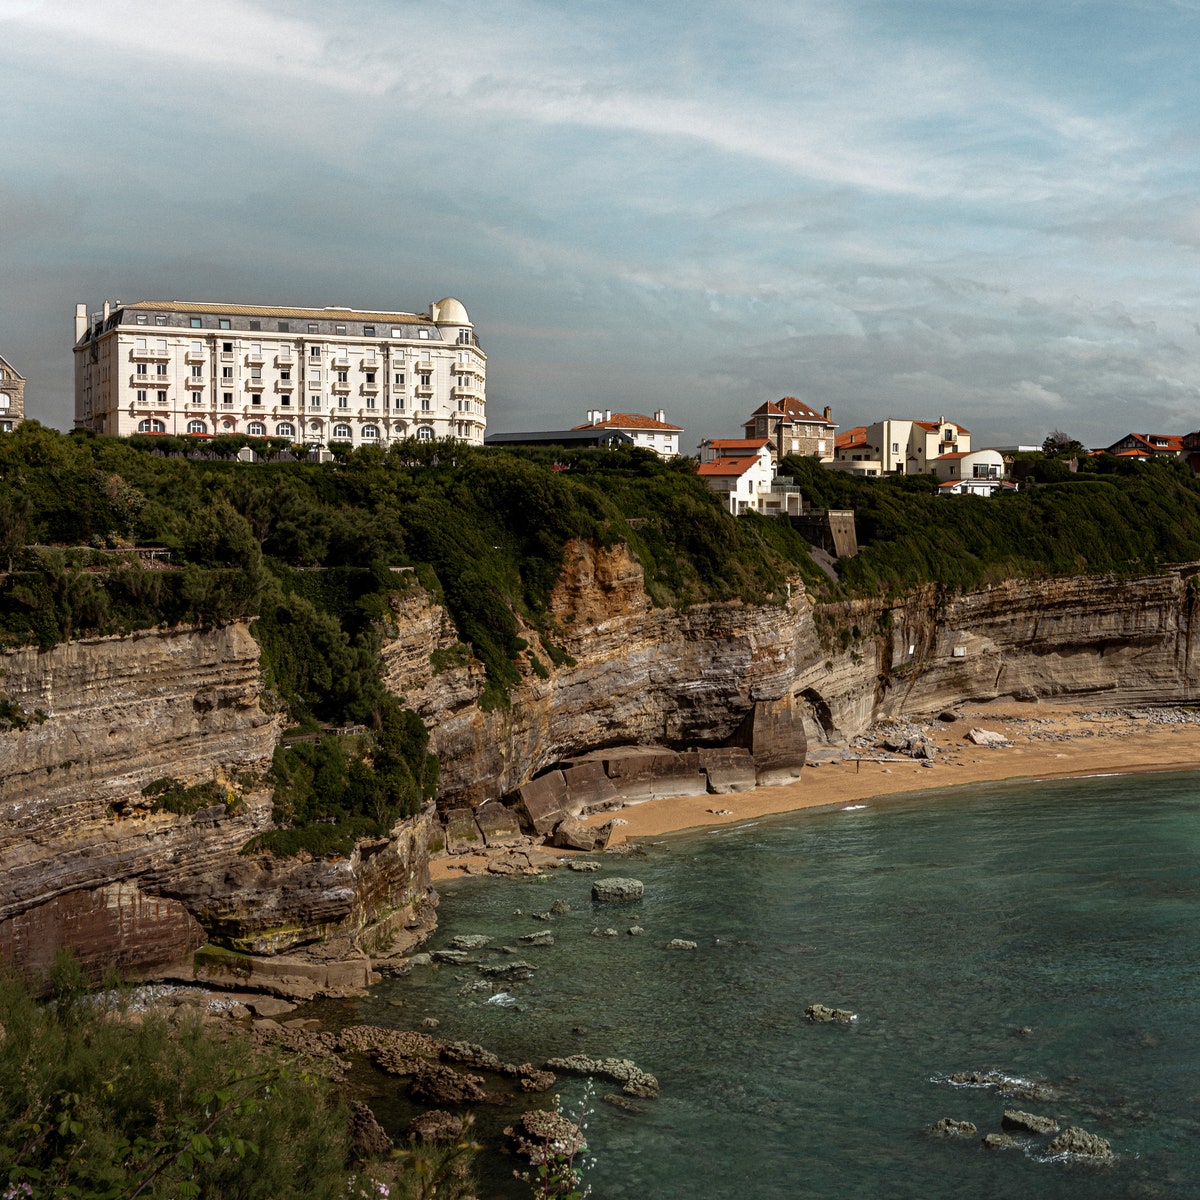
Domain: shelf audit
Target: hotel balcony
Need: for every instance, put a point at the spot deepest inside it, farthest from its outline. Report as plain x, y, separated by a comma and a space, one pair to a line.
284, 360
285, 385
423, 368
194, 381
464, 393
341, 362
255, 358
423, 389
372, 364
254, 385
195, 356
371, 389
148, 354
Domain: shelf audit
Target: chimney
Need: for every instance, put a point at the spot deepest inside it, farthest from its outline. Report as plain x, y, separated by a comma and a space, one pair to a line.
81, 320
107, 310
828, 413
608, 414
660, 415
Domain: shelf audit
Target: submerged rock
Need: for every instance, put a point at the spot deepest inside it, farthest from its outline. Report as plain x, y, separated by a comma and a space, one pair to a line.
997, 1141
1079, 1142
543, 937
436, 1125
616, 889
948, 1127
636, 1081
469, 941
540, 1128
518, 969
1029, 1122
680, 944
822, 1014
434, 1083
1006, 1085
457, 958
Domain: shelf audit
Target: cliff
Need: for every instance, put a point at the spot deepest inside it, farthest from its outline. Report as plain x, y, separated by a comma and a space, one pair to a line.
629, 674
87, 861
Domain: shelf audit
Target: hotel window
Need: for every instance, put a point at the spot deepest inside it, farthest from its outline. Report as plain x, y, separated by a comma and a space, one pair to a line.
341, 432
285, 398
226, 372
226, 397
159, 319
160, 369
162, 397
397, 333
339, 329
343, 402
370, 401
315, 374
256, 429
285, 375
256, 373
197, 370
312, 328
141, 318
895, 447
139, 343
368, 331
398, 402
195, 322
424, 434
426, 405
283, 327
141, 369
141, 396
314, 402
256, 397
223, 323
285, 430
398, 378
425, 381
370, 432
343, 377
197, 427
370, 376
226, 347
255, 326
423, 333
314, 352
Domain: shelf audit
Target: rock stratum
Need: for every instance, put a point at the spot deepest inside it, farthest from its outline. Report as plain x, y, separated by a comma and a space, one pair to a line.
643, 700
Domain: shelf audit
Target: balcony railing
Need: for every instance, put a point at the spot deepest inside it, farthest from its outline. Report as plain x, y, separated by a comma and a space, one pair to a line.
370, 388
255, 358
194, 381
148, 354
255, 385
340, 385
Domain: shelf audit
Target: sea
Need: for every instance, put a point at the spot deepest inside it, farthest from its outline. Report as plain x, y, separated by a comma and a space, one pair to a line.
1043, 934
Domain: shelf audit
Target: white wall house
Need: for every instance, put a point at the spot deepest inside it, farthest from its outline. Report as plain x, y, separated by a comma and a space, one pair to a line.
651, 433
745, 478
898, 447
314, 375
981, 465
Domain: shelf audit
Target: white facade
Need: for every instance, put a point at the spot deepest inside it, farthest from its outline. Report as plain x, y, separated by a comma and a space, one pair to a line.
975, 465
651, 433
316, 376
896, 447
745, 478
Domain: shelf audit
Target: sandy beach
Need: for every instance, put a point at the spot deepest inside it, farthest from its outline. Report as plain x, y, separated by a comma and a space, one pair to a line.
1047, 741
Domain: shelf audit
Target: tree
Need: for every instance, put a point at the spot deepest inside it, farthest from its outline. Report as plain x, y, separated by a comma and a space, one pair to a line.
1061, 445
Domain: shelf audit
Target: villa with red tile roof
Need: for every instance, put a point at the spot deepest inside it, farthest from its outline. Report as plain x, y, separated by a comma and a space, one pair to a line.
1151, 445
896, 447
793, 427
652, 433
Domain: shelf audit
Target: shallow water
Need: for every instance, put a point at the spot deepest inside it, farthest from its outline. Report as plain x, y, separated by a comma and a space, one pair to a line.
947, 922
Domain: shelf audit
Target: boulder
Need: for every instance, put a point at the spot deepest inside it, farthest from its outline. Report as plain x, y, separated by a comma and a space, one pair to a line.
367, 1137
948, 1127
572, 834
437, 1125
925, 750
463, 836
987, 737
589, 789
456, 958
615, 890
508, 971
1028, 1122
543, 937
773, 732
542, 802
270, 1006
728, 769
949, 716
559, 908
822, 1014
499, 825
680, 944
540, 1128
1078, 1141
469, 941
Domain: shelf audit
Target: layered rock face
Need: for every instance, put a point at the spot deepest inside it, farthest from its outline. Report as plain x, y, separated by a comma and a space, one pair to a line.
86, 861
640, 675
1103, 639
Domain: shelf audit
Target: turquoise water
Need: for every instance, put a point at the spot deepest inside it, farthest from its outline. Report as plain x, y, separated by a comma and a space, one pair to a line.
947, 922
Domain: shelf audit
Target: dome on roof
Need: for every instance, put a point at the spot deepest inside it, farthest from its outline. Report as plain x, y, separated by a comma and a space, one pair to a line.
450, 312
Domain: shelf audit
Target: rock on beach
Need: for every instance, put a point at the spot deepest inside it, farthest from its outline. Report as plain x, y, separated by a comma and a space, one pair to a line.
617, 889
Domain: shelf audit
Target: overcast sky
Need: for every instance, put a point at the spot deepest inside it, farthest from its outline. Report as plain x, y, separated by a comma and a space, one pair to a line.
984, 210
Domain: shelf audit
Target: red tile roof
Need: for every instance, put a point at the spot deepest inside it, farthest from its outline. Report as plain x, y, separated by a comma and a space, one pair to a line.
726, 466
736, 443
931, 425
631, 421
852, 437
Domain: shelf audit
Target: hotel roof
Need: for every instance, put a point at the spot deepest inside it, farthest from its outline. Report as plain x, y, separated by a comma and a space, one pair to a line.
631, 421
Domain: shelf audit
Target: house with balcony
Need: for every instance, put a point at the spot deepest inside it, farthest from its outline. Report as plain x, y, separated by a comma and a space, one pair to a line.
898, 447
1150, 445
742, 472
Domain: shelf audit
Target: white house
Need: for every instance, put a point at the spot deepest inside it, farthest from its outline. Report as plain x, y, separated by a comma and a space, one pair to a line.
651, 433
745, 477
975, 465
898, 447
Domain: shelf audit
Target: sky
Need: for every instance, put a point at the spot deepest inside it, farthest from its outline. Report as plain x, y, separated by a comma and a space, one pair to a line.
983, 210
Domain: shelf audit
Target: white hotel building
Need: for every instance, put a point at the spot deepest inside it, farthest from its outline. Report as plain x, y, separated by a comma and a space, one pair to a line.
315, 375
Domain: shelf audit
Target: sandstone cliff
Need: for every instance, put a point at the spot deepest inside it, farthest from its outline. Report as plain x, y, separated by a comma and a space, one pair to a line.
86, 861
632, 674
